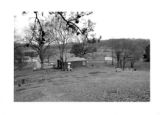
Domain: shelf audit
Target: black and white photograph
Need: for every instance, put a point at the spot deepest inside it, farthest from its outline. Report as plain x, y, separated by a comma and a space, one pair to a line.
80, 57
58, 56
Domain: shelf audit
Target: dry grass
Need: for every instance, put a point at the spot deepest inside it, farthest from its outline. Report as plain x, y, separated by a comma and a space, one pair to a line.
83, 84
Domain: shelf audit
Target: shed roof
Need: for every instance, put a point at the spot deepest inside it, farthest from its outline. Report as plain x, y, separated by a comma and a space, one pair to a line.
75, 59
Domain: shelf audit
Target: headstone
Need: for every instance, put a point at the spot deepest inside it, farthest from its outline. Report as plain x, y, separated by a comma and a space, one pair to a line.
69, 66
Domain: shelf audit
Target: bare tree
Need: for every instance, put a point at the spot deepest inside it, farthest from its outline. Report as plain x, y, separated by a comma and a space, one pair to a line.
37, 38
59, 30
63, 30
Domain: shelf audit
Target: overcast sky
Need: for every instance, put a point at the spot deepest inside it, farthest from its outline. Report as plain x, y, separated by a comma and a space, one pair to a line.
117, 20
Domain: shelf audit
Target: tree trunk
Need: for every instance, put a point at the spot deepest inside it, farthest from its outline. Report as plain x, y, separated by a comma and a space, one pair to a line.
132, 64
42, 64
41, 59
117, 61
124, 63
62, 63
120, 63
112, 57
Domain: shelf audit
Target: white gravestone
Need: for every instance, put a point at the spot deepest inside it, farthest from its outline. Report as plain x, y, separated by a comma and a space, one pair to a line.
69, 66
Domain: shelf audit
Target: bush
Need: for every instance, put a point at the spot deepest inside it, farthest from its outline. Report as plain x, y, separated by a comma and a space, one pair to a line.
79, 50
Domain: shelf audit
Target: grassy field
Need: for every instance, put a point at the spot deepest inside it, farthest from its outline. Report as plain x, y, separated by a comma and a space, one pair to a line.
89, 84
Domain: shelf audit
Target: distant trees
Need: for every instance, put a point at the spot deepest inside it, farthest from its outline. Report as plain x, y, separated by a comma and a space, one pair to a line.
87, 40
146, 56
135, 52
49, 53
78, 49
93, 39
127, 50
18, 56
82, 47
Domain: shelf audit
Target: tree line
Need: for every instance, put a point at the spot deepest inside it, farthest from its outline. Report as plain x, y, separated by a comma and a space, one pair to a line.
129, 51
62, 30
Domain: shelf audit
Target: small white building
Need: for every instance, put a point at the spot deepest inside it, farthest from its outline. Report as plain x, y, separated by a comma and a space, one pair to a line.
108, 58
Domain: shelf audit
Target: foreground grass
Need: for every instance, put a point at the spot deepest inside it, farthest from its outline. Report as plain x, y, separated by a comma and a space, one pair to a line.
83, 84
